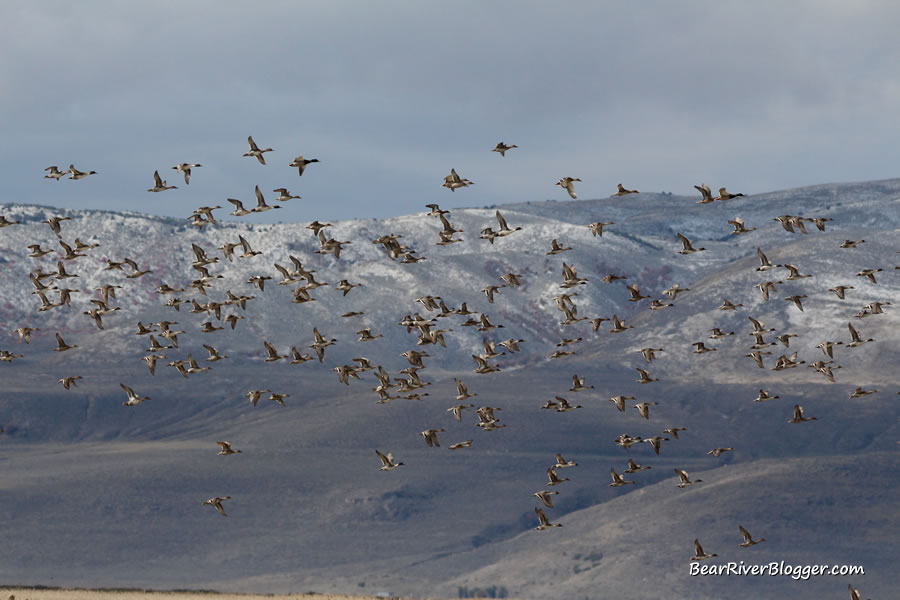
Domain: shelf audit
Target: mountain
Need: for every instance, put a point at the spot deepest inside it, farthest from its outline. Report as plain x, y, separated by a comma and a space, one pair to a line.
311, 511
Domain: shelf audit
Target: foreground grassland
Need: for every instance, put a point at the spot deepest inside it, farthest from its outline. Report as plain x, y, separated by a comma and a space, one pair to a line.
8, 593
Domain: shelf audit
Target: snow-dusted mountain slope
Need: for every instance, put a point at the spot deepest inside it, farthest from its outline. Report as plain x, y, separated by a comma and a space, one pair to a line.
308, 477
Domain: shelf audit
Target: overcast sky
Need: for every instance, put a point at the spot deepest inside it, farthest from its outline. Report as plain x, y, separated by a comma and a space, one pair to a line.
657, 95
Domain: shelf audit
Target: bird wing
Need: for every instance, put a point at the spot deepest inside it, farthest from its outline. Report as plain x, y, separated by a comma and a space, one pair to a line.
199, 252
384, 459
157, 178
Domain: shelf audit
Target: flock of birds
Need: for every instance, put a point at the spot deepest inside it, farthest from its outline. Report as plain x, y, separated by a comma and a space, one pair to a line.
50, 283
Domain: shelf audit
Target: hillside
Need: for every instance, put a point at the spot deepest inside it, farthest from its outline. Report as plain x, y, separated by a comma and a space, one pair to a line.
310, 509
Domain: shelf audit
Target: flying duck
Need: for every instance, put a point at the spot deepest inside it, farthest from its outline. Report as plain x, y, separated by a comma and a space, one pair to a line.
673, 431
226, 449
739, 227
724, 195
655, 441
645, 377
685, 480
255, 151
284, 195
217, 502
706, 196
686, 245
621, 191
699, 554
644, 408
719, 451
869, 273
748, 539
544, 497
554, 479
387, 462
76, 174
453, 181
430, 436
301, 163
562, 463
61, 346
502, 148
764, 396
160, 185
618, 480
597, 227
54, 173
619, 401
568, 184
633, 467
133, 399
856, 340
544, 523
186, 169
798, 415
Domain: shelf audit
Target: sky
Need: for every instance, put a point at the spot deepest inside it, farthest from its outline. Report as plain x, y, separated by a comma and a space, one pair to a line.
390, 96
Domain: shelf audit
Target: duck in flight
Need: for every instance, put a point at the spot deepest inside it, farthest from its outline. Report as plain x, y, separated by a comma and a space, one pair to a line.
502, 148
453, 181
748, 539
76, 174
699, 554
387, 461
798, 415
544, 522
255, 151
686, 246
217, 502
622, 191
54, 173
568, 184
133, 398
617, 480
301, 163
160, 185
685, 479
185, 168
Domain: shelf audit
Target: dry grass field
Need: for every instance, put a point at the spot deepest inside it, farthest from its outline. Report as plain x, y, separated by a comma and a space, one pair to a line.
79, 594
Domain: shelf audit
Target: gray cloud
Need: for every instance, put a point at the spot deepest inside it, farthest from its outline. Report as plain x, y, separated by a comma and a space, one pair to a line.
390, 96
